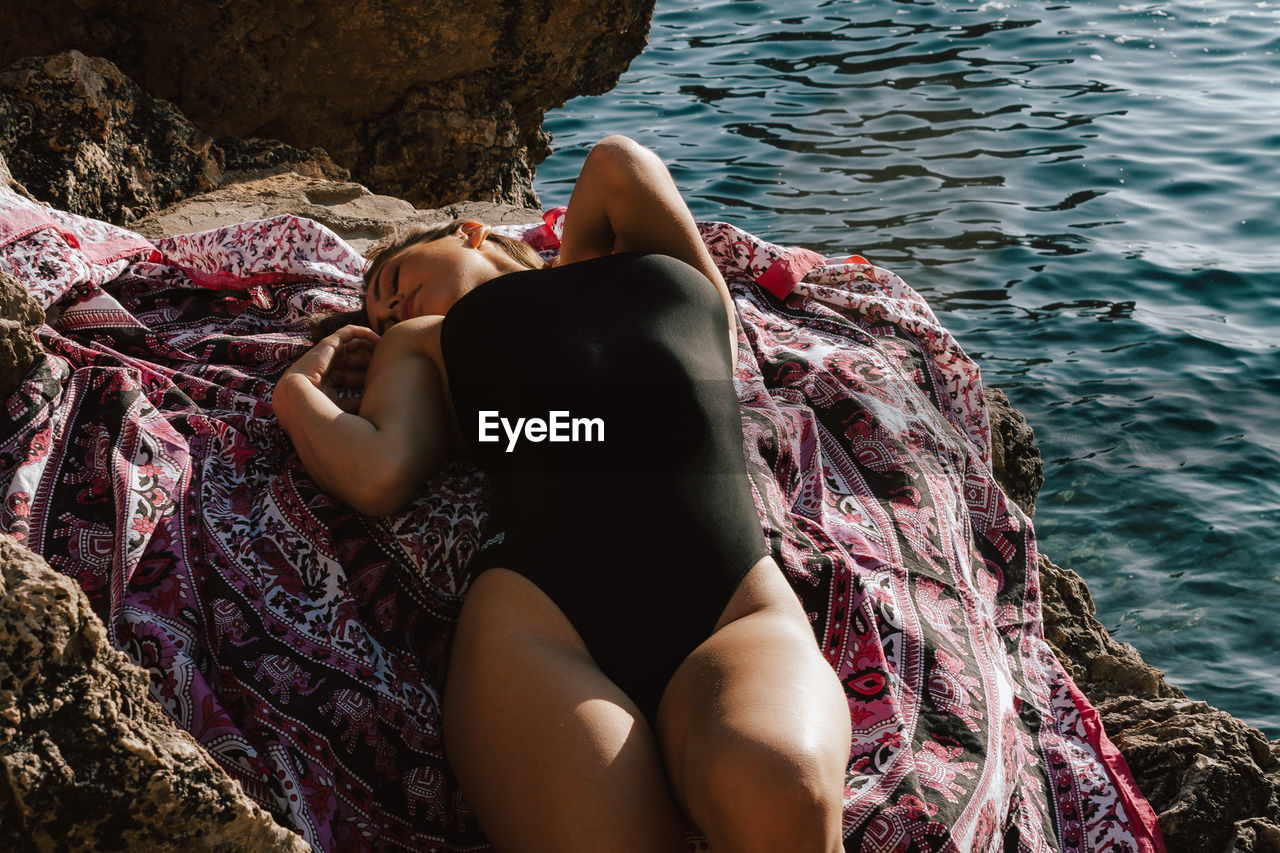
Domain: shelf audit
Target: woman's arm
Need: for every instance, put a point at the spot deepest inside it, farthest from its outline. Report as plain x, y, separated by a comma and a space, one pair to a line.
625, 200
376, 460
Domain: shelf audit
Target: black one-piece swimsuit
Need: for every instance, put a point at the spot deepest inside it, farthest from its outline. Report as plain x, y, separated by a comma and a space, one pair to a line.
633, 512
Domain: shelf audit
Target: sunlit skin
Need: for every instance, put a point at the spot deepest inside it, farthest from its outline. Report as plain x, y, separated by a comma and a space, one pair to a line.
751, 741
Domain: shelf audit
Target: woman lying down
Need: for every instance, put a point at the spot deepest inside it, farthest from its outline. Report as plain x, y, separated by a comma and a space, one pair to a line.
564, 731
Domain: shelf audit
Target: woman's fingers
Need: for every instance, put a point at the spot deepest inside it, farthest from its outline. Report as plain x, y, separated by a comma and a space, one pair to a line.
355, 333
352, 356
315, 362
341, 358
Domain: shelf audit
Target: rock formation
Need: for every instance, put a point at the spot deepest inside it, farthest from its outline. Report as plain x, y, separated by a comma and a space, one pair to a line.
20, 316
430, 101
82, 136
1214, 781
88, 759
8, 180
1015, 460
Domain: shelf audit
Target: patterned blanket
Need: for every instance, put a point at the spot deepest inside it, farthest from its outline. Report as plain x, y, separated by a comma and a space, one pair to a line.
302, 643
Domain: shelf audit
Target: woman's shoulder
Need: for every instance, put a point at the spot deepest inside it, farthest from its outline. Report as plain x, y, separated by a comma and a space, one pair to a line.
417, 335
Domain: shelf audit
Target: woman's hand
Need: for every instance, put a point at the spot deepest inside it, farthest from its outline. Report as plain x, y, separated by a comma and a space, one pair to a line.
338, 361
375, 458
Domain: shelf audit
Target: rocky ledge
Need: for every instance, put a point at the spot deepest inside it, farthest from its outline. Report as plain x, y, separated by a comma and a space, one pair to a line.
88, 760
429, 101
83, 137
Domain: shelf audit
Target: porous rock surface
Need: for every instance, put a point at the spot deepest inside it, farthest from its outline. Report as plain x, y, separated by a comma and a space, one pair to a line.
83, 137
87, 760
1015, 460
8, 180
1213, 780
433, 101
20, 316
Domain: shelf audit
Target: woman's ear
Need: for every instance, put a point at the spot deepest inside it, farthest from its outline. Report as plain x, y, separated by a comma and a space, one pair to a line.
475, 233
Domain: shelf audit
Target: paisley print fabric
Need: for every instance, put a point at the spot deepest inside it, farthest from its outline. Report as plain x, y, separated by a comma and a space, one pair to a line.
304, 644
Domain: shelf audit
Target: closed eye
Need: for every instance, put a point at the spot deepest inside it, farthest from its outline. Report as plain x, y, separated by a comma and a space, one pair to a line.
377, 296
395, 287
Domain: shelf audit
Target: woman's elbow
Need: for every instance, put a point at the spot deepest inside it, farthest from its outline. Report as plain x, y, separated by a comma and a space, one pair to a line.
391, 484
620, 158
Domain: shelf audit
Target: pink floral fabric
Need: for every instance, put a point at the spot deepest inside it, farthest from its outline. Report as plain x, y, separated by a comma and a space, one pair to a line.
304, 644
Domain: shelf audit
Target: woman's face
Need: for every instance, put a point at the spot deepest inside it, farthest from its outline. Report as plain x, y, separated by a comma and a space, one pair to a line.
426, 278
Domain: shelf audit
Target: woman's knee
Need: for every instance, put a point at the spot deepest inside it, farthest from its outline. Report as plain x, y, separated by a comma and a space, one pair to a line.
756, 732
758, 791
768, 762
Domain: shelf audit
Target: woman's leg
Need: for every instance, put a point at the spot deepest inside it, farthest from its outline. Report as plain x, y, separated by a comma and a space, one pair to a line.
754, 727
551, 754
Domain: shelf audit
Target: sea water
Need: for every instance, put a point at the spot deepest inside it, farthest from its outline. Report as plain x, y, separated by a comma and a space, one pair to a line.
1088, 193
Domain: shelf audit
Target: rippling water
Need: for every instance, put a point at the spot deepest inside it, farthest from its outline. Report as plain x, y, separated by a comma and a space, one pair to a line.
1088, 194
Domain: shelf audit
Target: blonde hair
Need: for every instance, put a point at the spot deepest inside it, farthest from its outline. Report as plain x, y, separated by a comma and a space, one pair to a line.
401, 237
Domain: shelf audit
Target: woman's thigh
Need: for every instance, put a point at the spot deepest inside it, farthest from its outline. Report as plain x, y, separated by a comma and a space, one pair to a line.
754, 725
550, 753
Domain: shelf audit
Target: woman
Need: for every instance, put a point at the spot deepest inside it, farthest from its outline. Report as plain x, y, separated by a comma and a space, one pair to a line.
630, 658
